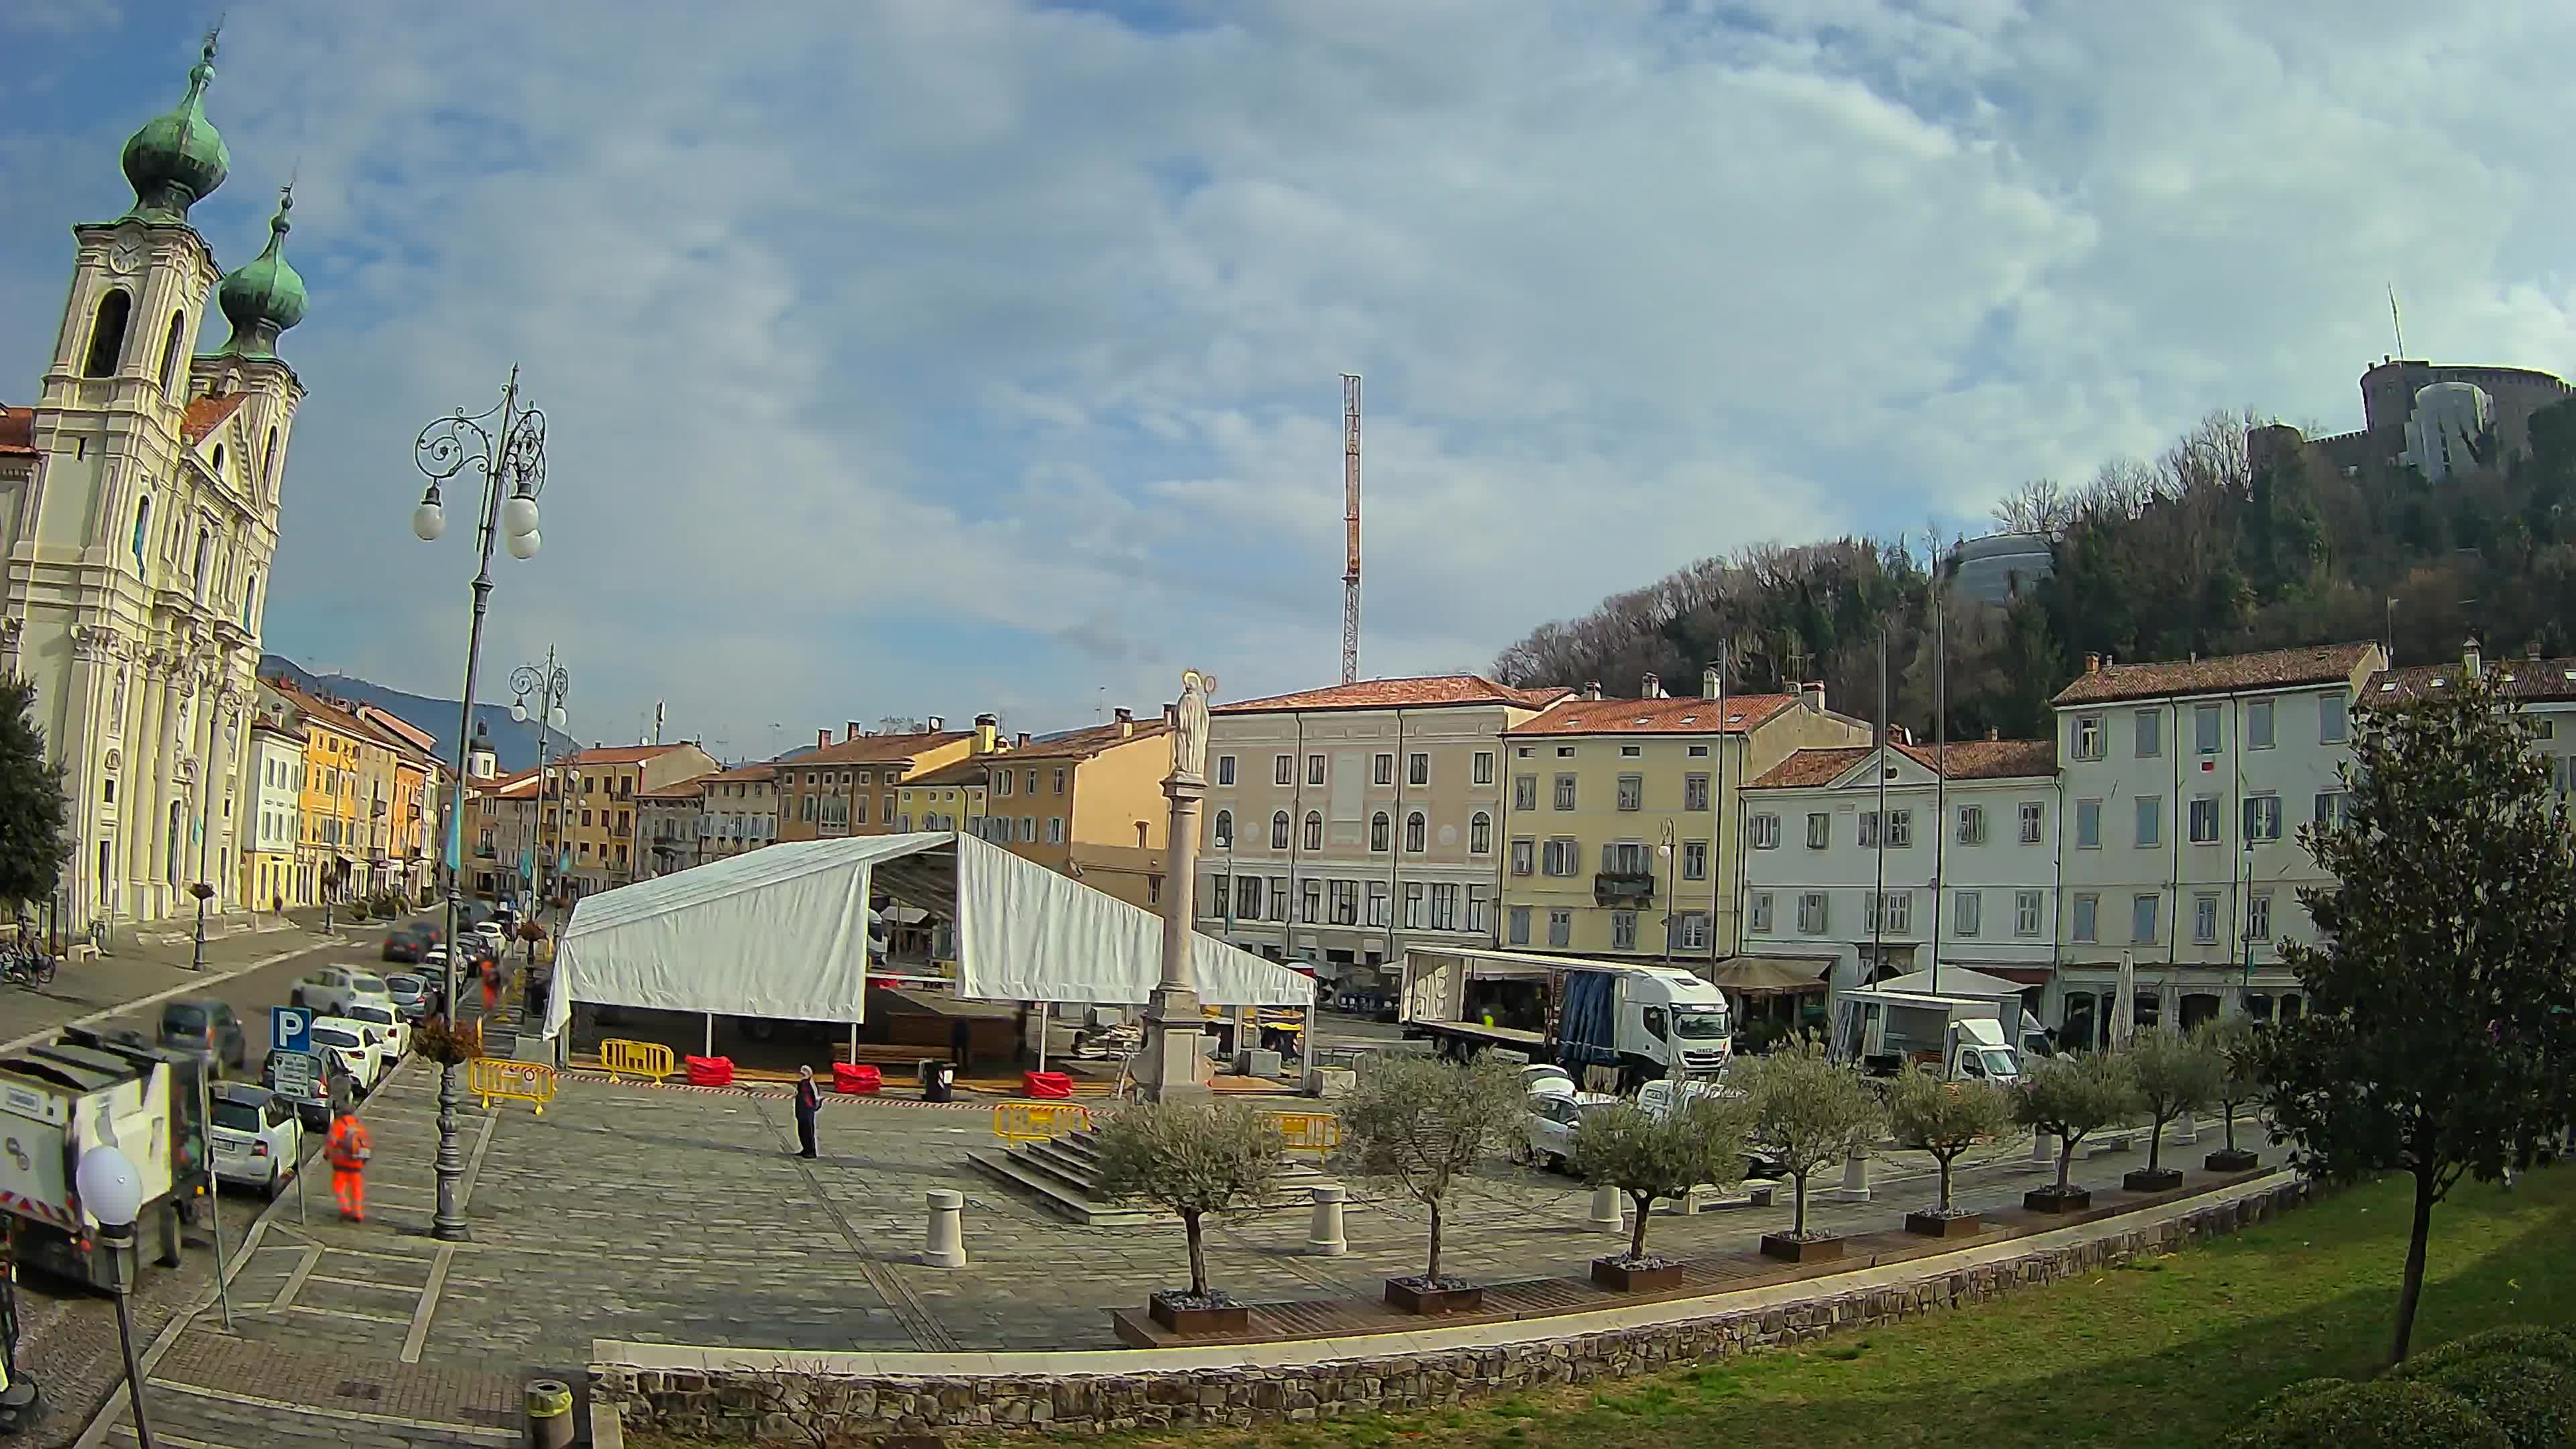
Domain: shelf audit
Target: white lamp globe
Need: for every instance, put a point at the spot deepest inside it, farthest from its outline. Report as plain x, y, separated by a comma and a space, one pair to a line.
519, 515
524, 545
429, 521
109, 1186
555, 717
519, 711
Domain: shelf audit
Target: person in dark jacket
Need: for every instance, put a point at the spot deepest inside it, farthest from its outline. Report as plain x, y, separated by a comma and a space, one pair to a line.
809, 1106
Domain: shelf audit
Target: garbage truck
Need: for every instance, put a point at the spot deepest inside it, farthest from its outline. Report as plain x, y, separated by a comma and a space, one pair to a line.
1958, 1036
1631, 1022
85, 1090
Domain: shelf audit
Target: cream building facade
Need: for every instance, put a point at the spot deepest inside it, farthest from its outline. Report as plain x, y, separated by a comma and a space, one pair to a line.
1346, 824
138, 517
738, 810
276, 824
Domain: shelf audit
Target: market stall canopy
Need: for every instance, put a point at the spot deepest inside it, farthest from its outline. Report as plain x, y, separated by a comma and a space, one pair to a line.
1768, 975
783, 932
1955, 981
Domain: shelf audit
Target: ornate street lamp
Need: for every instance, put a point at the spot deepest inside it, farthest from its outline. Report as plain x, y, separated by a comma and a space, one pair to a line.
506, 445
549, 685
112, 1191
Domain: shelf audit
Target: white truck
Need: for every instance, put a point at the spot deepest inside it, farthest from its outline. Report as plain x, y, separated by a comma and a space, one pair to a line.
59, 1100
1640, 1022
1961, 1036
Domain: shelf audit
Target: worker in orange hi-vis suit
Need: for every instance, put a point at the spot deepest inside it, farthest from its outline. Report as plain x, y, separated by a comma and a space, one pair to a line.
349, 1152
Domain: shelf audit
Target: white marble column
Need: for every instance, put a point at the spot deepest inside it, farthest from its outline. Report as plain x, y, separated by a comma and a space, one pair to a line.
139, 808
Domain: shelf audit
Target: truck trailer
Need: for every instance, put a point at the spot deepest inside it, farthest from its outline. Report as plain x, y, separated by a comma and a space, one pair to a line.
1958, 1036
1629, 1020
85, 1090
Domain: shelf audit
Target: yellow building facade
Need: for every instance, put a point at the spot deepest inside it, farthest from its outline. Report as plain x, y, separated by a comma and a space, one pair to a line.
1088, 805
1619, 816
597, 809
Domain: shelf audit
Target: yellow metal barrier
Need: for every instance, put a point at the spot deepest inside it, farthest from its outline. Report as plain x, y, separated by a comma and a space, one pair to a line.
530, 1082
1316, 1132
1038, 1121
649, 1060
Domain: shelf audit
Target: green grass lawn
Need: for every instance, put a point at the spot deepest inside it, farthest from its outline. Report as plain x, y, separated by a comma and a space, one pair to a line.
2167, 1352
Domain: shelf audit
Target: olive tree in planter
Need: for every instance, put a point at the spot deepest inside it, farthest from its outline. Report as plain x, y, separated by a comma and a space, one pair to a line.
2072, 1097
1945, 1119
1649, 1156
1422, 1125
1804, 1111
2174, 1074
2232, 1041
1192, 1158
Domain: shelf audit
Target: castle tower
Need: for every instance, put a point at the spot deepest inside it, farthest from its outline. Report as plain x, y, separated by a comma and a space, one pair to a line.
137, 545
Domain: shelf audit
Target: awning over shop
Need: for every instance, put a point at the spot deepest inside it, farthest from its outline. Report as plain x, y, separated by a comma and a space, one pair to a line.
782, 932
1769, 975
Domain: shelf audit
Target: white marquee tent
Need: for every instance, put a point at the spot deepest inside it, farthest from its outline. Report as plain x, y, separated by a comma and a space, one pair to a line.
783, 932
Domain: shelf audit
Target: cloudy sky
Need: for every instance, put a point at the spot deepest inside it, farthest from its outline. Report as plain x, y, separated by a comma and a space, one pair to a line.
929, 356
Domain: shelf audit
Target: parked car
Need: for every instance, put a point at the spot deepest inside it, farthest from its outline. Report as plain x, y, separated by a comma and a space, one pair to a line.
202, 1024
313, 1108
258, 1139
408, 943
410, 994
384, 1026
1553, 1117
346, 1043
1546, 1076
333, 987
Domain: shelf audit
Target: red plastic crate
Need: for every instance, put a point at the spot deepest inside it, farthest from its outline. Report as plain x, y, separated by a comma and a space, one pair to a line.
1045, 1084
861, 1080
710, 1071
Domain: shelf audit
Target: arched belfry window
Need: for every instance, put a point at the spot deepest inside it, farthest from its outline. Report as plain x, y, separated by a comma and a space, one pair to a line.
107, 333
171, 354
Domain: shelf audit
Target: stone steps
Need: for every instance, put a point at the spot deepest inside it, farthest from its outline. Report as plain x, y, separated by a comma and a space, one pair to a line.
1063, 1175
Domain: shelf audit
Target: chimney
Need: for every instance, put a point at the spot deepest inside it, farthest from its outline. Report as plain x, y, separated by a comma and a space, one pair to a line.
988, 730
2107, 660
1993, 734
2469, 660
936, 723
1650, 687
1022, 742
849, 729
2092, 663
1126, 723
1813, 696
1171, 716
1711, 684
1592, 689
822, 739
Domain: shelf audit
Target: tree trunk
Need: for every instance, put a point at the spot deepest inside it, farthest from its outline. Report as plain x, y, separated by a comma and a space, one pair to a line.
1637, 1236
2065, 1159
1798, 1220
1432, 1274
1945, 1186
2411, 1291
2230, 1126
1198, 1253
2156, 1143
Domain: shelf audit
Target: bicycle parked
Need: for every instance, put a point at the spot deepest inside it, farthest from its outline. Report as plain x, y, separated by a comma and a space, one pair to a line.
27, 966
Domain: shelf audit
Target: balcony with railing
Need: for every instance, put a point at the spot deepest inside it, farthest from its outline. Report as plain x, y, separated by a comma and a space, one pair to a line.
1626, 877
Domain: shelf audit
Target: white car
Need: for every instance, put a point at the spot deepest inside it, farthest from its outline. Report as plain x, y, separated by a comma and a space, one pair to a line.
385, 1027
1553, 1118
347, 1044
1546, 1077
328, 990
258, 1140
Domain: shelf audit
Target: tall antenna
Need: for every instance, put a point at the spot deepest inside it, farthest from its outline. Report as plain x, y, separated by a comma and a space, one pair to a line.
2393, 323
1351, 526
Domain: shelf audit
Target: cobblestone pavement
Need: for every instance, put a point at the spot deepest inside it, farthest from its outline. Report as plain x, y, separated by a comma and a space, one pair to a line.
678, 1216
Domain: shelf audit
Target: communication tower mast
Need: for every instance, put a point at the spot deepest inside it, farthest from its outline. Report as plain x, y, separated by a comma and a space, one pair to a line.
1351, 526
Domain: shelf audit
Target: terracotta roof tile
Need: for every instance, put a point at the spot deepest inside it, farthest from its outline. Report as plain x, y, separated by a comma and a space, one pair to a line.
2271, 669
619, 754
1425, 692
1690, 715
17, 432
878, 749
1968, 760
744, 774
1083, 744
969, 771
2532, 680
206, 414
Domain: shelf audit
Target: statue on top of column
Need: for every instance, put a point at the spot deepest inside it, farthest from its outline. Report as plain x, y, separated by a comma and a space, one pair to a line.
1190, 730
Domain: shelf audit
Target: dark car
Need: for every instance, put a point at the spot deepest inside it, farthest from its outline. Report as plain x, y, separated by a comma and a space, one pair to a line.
330, 1084
410, 942
201, 1024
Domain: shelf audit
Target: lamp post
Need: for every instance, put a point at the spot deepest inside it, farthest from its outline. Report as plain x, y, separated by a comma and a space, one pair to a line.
550, 685
506, 445
112, 1192
1672, 886
203, 892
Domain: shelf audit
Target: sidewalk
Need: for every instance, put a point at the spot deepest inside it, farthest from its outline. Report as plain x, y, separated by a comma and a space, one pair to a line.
144, 970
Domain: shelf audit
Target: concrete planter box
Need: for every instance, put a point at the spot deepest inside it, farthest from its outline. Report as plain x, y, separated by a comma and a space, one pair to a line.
2051, 1200
1801, 1250
2162, 1179
1409, 1295
2231, 1160
1197, 1317
1934, 1225
1619, 1277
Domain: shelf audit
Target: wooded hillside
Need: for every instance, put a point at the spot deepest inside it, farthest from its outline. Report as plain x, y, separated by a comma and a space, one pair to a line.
2194, 552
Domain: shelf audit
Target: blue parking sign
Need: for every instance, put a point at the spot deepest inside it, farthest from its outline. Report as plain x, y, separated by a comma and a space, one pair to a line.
290, 1028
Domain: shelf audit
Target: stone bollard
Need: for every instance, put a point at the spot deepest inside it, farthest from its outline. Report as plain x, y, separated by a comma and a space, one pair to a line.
549, 1414
947, 1248
2187, 1130
1607, 1202
1324, 1237
2043, 1152
1855, 1184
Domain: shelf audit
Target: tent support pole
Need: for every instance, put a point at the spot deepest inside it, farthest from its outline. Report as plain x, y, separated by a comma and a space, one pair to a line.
1045, 1009
854, 1043
711, 1034
1306, 1044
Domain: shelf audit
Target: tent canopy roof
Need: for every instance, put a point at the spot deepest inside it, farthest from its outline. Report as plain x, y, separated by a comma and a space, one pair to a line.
1955, 981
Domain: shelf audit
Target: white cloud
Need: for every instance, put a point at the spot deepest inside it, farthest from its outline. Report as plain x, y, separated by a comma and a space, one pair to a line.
937, 356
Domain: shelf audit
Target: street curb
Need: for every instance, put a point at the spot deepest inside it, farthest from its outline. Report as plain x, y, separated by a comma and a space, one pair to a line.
156, 998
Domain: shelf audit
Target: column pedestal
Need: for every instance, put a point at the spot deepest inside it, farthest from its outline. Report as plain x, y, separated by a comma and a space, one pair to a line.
1174, 1065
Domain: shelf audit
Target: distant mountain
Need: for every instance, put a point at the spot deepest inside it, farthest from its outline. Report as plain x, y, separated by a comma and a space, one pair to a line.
515, 744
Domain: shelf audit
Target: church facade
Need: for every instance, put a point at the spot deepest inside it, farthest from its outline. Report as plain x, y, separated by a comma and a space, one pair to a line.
138, 517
